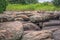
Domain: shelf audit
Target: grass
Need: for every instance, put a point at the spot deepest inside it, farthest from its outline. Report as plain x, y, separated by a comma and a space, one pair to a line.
39, 6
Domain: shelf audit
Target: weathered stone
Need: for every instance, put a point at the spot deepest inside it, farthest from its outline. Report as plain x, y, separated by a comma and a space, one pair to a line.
54, 14
11, 30
51, 23
24, 17
39, 35
56, 35
31, 26
28, 13
57, 14
2, 17
34, 18
41, 25
39, 18
18, 19
5, 18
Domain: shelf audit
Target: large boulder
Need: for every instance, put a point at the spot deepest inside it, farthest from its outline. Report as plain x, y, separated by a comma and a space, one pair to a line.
39, 18
56, 35
11, 30
57, 14
38, 35
30, 26
53, 14
52, 23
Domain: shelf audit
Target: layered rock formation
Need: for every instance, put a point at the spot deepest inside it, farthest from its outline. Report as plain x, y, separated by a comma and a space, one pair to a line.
28, 25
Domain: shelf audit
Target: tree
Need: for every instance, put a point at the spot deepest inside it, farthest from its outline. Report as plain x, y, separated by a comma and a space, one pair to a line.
23, 1
31, 1
56, 2
3, 4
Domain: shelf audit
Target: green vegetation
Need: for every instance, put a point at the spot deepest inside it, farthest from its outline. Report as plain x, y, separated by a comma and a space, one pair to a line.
25, 5
22, 1
3, 5
56, 2
38, 6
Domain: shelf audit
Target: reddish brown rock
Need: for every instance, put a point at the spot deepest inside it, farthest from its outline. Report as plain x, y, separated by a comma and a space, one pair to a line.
31, 26
6, 18
39, 35
24, 17
11, 30
39, 18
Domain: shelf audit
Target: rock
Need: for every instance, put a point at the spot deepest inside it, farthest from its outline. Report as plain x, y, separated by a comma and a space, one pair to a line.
54, 14
35, 18
49, 39
10, 19
18, 19
2, 18
57, 14
31, 26
40, 11
51, 23
56, 35
24, 17
6, 18
11, 30
41, 25
38, 35
28, 13
39, 18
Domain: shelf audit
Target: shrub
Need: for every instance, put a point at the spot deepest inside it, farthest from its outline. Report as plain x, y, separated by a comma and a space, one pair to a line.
23, 1
3, 4
56, 2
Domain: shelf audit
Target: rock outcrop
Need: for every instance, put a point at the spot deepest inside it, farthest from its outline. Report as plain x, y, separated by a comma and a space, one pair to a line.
29, 25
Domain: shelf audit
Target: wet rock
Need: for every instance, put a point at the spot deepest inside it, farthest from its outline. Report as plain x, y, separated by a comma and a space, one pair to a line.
11, 30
